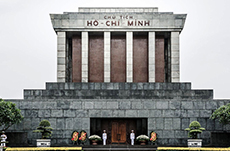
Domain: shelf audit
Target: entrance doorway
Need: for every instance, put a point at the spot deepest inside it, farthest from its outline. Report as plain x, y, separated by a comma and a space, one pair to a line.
118, 129
118, 132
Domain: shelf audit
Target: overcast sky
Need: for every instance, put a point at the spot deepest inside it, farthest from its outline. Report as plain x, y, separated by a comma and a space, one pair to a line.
28, 44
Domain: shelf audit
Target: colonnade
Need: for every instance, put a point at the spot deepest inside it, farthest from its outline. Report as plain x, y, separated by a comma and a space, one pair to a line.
62, 63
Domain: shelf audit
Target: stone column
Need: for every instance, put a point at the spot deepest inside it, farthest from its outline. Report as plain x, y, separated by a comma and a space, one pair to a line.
151, 57
84, 58
129, 56
175, 55
107, 57
61, 57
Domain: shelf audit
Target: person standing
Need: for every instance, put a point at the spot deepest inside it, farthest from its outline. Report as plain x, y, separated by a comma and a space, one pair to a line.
3, 139
132, 137
104, 137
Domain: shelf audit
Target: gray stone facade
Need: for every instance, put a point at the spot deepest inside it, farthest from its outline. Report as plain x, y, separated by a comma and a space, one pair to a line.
168, 107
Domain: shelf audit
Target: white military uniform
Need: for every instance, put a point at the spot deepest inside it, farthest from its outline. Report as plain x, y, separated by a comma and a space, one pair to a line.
104, 137
3, 139
132, 137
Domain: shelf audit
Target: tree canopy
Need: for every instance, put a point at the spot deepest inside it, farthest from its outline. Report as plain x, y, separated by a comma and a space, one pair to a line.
222, 114
9, 114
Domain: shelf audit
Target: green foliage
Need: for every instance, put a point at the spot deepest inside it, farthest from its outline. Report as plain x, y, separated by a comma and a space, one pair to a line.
222, 114
194, 129
44, 129
9, 114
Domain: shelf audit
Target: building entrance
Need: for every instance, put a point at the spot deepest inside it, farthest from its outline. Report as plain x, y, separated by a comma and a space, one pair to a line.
118, 129
118, 132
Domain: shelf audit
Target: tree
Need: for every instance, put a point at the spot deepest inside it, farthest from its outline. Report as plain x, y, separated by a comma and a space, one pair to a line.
44, 128
222, 114
194, 129
9, 114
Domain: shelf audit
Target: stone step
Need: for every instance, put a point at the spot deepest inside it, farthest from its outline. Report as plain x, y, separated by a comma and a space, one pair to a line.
120, 147
118, 94
118, 86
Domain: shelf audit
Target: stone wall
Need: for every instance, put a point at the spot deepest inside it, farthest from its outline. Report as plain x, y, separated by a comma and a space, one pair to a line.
169, 108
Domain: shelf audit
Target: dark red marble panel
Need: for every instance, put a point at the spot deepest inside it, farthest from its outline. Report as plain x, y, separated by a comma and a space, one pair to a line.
76, 58
96, 58
118, 58
140, 58
160, 61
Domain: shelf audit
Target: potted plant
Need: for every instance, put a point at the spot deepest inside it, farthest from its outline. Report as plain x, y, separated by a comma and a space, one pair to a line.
193, 131
142, 139
94, 139
45, 129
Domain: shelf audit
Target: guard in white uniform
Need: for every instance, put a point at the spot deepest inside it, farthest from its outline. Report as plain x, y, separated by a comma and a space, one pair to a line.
104, 137
132, 137
3, 139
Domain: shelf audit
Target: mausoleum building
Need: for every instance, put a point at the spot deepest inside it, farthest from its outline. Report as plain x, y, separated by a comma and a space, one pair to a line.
118, 69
